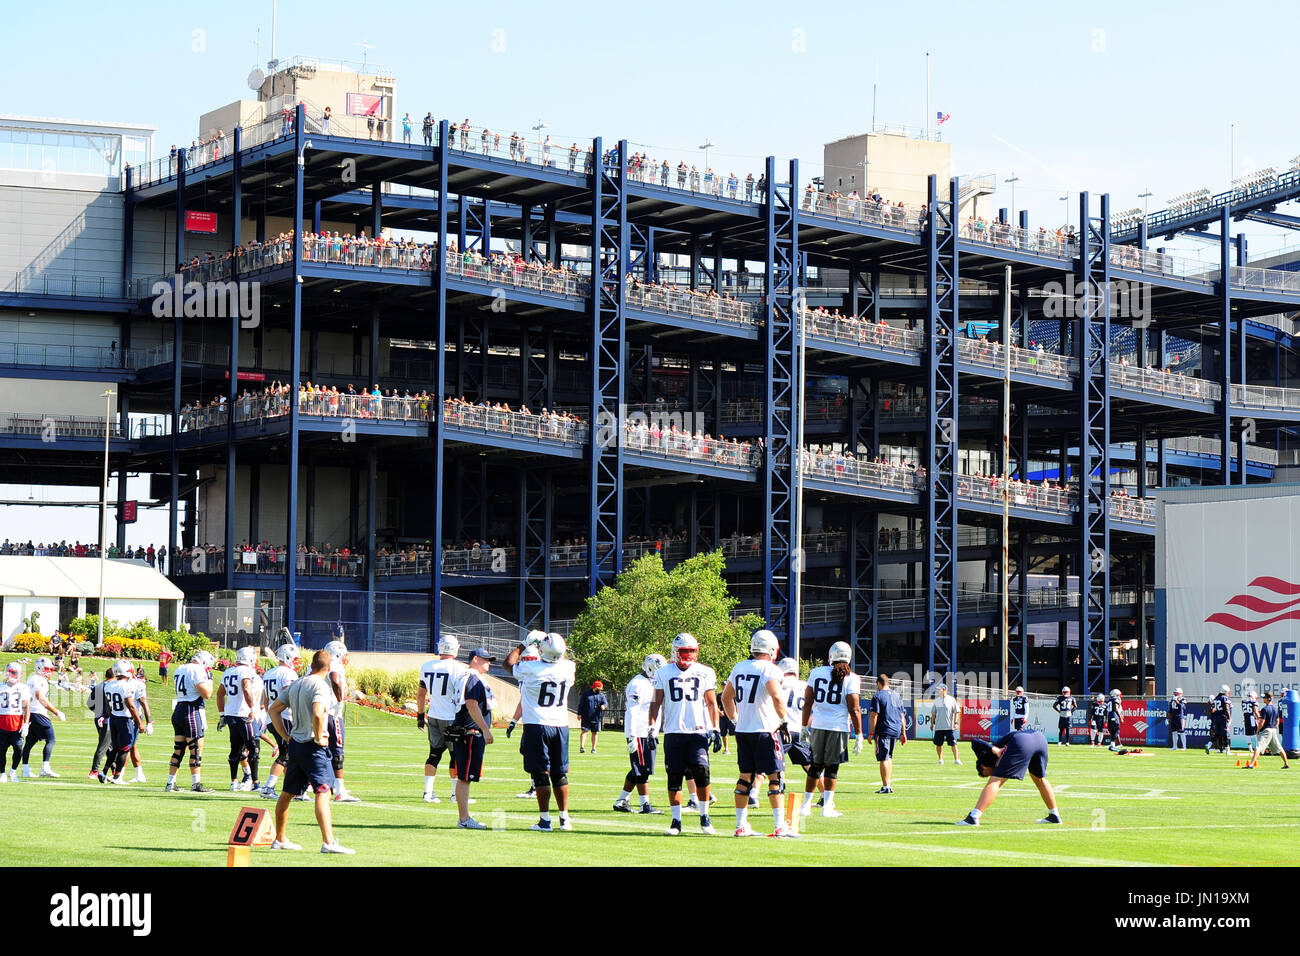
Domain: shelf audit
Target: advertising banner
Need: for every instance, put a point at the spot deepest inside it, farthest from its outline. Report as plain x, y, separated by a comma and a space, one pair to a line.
985, 719
1229, 574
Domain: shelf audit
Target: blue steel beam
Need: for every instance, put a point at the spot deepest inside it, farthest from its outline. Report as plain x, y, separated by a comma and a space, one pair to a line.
781, 259
295, 377
1094, 446
438, 387
609, 251
232, 370
535, 548
940, 496
864, 579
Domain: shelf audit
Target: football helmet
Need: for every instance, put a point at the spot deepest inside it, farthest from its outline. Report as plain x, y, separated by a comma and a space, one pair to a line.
1115, 694
552, 647
652, 664
42, 666
1100, 698
203, 659
246, 655
124, 669
534, 637
1178, 692
764, 642
14, 672
789, 665
1065, 692
288, 654
1020, 691
530, 653
840, 652
448, 644
686, 649
1225, 689
337, 650
1253, 695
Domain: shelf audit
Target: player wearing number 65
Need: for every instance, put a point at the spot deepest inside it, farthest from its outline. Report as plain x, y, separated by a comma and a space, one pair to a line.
544, 687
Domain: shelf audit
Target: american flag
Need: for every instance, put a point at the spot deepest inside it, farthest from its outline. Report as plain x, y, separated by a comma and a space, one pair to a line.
943, 117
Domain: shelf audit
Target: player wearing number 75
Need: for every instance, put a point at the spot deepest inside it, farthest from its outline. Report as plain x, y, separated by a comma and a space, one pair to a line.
544, 687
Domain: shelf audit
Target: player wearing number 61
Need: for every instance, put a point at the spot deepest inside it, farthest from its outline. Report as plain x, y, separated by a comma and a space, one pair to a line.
543, 692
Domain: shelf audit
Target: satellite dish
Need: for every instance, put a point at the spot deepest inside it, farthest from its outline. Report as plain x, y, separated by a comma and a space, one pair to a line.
256, 79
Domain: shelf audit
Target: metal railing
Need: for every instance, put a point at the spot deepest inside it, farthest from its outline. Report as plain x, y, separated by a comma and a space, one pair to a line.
674, 444
1163, 264
853, 471
1038, 242
828, 326
465, 137
891, 215
1265, 397
688, 178
1023, 494
96, 287
66, 356
1035, 361
548, 428
52, 427
500, 270
815, 410
695, 305
1140, 510
896, 539
1157, 382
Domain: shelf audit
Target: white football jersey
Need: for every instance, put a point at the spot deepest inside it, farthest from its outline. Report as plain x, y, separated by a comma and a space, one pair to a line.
755, 711
118, 693
442, 679
792, 691
12, 698
233, 681
830, 710
639, 695
336, 667
37, 683
186, 681
683, 708
275, 682
544, 688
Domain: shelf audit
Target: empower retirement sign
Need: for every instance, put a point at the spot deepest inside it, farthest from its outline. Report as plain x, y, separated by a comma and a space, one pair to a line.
1228, 589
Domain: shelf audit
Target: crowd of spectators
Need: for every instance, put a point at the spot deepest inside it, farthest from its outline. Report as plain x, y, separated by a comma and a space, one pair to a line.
205, 149
640, 434
870, 208
701, 303
154, 557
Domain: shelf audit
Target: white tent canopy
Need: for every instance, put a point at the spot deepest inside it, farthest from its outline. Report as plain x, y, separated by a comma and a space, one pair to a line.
44, 577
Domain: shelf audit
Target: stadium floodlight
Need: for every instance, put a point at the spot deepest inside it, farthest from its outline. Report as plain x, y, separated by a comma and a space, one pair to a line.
707, 145
307, 144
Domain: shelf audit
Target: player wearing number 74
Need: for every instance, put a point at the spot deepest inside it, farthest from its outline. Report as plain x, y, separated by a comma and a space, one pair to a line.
544, 687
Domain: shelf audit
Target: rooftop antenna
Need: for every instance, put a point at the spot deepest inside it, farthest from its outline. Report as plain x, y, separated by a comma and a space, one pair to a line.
365, 50
275, 9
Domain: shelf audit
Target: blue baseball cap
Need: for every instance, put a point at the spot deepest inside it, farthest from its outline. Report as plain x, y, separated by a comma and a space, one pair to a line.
485, 654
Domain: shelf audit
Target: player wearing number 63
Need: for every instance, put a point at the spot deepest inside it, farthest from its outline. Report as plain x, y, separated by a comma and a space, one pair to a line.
686, 696
544, 687
832, 703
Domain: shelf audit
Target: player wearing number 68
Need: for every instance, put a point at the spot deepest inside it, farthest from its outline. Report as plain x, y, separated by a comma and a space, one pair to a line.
544, 687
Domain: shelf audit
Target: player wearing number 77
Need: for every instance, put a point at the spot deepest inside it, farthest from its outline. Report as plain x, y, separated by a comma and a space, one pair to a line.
435, 705
544, 687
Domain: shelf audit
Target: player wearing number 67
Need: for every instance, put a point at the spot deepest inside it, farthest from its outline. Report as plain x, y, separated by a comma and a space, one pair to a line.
544, 687
752, 699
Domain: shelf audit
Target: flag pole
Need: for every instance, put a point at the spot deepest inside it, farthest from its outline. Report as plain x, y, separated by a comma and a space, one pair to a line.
927, 94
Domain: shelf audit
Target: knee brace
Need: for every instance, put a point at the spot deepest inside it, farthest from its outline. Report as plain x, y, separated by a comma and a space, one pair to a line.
674, 782
743, 786
775, 786
337, 762
541, 781
435, 756
559, 780
640, 780
178, 751
702, 777
832, 771
815, 770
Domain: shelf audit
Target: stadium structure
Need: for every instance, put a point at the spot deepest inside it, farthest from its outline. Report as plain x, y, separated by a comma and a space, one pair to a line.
841, 355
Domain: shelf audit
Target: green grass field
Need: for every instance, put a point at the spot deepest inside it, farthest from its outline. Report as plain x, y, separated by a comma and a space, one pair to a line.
1169, 809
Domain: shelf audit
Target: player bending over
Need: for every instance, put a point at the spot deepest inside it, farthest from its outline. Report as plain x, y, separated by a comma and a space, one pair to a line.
1009, 759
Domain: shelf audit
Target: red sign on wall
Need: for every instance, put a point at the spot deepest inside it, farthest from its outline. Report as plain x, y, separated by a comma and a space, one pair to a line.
128, 512
247, 376
201, 222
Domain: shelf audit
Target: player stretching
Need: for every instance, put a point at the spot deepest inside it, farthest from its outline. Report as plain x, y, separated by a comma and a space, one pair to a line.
436, 707
544, 687
1019, 709
338, 679
686, 696
41, 708
1097, 724
277, 681
239, 697
1178, 720
1114, 714
832, 701
15, 712
641, 735
1064, 706
193, 683
1008, 759
123, 720
752, 699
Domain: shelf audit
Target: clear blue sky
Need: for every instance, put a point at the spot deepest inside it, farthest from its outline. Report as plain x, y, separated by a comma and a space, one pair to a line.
1105, 96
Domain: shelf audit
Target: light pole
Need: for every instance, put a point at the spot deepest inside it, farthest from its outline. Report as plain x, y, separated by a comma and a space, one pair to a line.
1145, 197
1013, 180
103, 512
864, 164
541, 125
707, 145
1066, 199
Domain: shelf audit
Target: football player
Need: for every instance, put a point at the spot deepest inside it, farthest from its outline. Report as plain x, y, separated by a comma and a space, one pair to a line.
832, 700
193, 684
141, 693
544, 687
473, 732
1178, 720
642, 736
436, 707
530, 653
686, 697
96, 704
1009, 759
1249, 710
1220, 721
1019, 709
1114, 712
15, 712
239, 697
1064, 705
752, 699
276, 681
123, 720
338, 679
794, 690
41, 709
1097, 725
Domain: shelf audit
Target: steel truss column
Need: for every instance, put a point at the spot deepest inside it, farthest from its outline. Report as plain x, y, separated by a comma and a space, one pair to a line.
1093, 555
469, 518
864, 416
535, 548
232, 386
780, 602
295, 379
1225, 341
864, 579
705, 535
609, 250
940, 496
439, 391
864, 297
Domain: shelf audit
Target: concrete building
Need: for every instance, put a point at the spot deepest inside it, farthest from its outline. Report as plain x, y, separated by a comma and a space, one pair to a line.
896, 164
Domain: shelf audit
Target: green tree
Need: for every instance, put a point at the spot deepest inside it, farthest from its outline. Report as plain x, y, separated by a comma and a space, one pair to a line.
647, 607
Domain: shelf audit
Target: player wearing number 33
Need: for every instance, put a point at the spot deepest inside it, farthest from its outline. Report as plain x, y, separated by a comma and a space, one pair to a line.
544, 687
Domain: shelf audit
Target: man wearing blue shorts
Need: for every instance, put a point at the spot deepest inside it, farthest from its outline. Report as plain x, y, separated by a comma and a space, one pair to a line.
1009, 759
